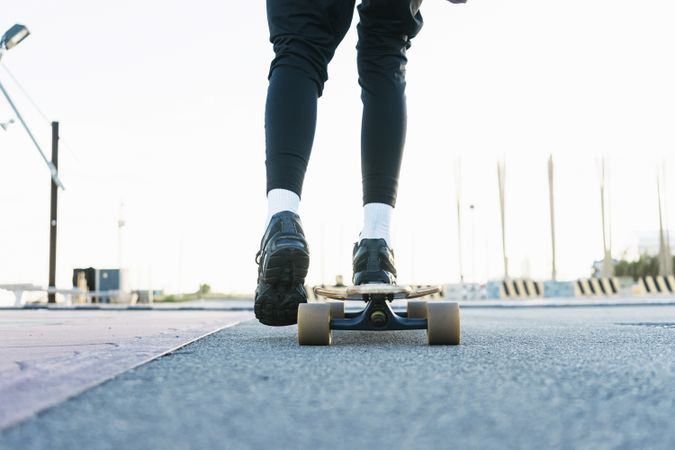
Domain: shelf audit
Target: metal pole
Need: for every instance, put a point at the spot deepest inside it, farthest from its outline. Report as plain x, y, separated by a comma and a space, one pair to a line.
53, 212
665, 255
662, 241
458, 191
323, 254
607, 268
554, 272
501, 177
474, 278
669, 254
52, 169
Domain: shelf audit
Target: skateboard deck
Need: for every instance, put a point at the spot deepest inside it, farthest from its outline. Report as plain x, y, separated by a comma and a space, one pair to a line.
366, 291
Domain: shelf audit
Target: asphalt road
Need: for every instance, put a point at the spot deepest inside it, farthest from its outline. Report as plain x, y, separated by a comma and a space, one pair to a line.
523, 378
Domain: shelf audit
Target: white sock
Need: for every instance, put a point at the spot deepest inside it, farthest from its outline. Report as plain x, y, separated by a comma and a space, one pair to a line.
377, 222
281, 200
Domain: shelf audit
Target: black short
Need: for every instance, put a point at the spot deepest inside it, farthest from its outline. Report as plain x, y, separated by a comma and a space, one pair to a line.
305, 33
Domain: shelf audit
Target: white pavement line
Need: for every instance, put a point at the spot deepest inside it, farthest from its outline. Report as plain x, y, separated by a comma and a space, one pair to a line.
47, 359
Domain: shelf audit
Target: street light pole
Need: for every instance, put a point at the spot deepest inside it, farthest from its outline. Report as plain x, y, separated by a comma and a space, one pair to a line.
501, 178
53, 213
554, 271
665, 256
9, 40
52, 170
458, 192
607, 265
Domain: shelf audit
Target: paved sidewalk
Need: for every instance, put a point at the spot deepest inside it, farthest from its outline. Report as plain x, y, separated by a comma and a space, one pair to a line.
49, 356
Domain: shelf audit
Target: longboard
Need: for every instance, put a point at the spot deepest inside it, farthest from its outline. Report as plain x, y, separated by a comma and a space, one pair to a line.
317, 320
365, 291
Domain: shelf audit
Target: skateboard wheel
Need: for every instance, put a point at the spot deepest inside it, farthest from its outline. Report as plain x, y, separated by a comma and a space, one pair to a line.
417, 309
443, 323
314, 324
337, 310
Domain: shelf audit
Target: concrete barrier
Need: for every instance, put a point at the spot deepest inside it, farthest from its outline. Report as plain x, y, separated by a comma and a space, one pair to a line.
596, 287
655, 285
521, 288
468, 291
559, 289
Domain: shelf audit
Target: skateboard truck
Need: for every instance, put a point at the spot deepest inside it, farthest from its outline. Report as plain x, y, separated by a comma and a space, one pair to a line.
317, 320
377, 316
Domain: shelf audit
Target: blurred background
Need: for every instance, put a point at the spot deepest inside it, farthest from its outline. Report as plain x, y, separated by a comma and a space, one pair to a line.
160, 106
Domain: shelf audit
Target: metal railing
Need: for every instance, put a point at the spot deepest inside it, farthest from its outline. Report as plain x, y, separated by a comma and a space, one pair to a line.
70, 295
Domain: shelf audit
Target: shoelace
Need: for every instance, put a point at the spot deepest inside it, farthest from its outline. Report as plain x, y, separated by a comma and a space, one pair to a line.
259, 254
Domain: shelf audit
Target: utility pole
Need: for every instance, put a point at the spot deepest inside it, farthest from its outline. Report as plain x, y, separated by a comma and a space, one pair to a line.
501, 178
458, 191
472, 209
669, 254
607, 266
53, 213
121, 223
665, 256
554, 271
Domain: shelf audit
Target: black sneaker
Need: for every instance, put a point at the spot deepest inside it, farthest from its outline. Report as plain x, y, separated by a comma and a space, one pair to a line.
283, 260
373, 262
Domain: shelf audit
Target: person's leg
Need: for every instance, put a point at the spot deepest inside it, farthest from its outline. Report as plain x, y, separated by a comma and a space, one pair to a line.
385, 29
290, 121
305, 35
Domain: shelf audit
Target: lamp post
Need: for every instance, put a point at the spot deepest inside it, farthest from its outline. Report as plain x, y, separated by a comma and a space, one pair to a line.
554, 271
13, 36
51, 298
10, 39
665, 256
501, 178
458, 192
607, 265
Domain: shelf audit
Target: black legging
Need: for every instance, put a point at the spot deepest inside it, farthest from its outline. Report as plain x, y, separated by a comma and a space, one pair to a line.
305, 34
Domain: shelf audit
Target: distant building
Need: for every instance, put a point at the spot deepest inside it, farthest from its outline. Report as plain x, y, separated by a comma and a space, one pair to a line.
100, 280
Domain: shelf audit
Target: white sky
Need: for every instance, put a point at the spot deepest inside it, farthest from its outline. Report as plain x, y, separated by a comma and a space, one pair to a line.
161, 106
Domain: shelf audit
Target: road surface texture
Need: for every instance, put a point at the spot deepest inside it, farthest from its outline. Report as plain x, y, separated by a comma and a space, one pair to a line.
47, 357
581, 378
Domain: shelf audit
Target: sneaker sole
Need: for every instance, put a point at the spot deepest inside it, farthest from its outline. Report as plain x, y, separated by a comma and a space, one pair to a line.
278, 305
381, 277
286, 266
